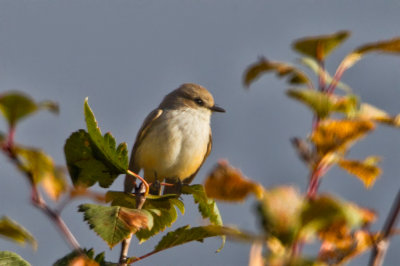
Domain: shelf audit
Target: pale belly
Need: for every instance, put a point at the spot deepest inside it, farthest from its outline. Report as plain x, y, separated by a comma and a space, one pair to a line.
175, 147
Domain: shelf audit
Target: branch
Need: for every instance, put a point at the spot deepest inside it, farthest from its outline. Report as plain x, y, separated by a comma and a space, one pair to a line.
140, 200
37, 199
380, 249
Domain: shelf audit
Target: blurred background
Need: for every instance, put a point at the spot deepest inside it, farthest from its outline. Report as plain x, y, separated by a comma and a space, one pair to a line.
126, 55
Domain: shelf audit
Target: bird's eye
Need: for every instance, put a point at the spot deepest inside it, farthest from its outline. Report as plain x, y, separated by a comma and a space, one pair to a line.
199, 101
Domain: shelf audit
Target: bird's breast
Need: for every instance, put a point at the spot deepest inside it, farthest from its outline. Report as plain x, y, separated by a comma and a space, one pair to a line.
175, 145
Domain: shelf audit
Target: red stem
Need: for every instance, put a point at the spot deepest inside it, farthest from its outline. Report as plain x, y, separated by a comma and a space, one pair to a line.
36, 198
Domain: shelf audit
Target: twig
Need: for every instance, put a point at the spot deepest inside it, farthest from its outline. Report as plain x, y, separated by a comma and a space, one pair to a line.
37, 199
141, 179
380, 249
140, 200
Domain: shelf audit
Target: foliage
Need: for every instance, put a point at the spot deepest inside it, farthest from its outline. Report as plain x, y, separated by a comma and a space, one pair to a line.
15, 232
288, 218
10, 258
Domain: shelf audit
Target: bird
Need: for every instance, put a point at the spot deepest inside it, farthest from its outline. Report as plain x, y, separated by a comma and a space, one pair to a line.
174, 140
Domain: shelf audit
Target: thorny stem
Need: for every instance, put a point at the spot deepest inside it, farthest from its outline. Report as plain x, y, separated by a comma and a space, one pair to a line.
36, 198
140, 193
379, 251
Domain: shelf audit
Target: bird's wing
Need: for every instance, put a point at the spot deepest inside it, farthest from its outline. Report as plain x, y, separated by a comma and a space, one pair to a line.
189, 179
130, 180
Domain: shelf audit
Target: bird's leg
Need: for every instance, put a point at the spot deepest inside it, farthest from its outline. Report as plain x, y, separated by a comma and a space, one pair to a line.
155, 187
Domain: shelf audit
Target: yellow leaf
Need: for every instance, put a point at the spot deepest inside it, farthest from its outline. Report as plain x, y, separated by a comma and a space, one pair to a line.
387, 46
319, 47
338, 250
368, 111
254, 71
55, 184
229, 184
335, 135
366, 170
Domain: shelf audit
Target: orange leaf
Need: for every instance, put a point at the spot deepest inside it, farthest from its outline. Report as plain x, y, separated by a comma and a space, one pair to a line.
254, 71
335, 135
366, 170
229, 184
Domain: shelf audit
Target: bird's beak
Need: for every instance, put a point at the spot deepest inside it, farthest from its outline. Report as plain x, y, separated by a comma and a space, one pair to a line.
216, 108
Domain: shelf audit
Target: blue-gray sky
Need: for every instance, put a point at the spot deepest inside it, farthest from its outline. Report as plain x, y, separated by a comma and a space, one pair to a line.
126, 55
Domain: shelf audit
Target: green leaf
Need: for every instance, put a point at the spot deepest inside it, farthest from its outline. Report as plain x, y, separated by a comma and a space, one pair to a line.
106, 146
16, 106
319, 47
279, 213
84, 165
182, 236
161, 208
114, 224
87, 255
323, 104
207, 207
254, 71
11, 258
316, 68
12, 230
326, 211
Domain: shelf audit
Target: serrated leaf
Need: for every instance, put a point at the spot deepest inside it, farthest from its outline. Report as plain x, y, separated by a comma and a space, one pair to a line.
323, 104
164, 215
15, 232
83, 257
227, 183
316, 68
184, 235
116, 157
84, 165
114, 224
207, 207
181, 236
367, 171
334, 135
279, 213
161, 208
254, 71
11, 258
17, 105
387, 46
319, 47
